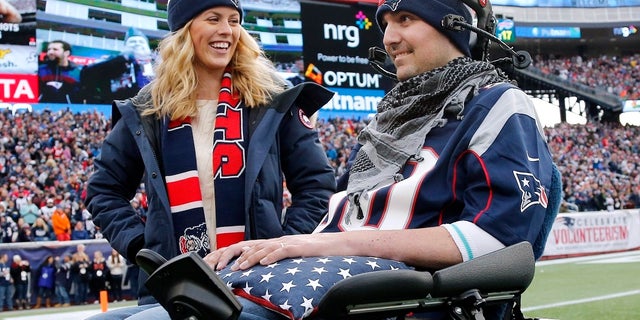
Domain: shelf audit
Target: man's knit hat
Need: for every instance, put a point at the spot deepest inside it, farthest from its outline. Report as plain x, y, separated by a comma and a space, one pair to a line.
133, 32
182, 11
432, 12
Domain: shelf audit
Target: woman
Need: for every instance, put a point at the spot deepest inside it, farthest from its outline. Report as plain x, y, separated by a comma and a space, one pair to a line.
80, 275
25, 234
99, 275
117, 267
41, 230
20, 270
216, 99
46, 282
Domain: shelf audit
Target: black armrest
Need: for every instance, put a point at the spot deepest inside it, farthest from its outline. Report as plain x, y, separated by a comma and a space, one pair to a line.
377, 295
508, 269
386, 287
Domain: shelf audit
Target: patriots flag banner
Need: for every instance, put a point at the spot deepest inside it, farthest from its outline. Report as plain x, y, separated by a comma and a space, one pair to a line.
294, 287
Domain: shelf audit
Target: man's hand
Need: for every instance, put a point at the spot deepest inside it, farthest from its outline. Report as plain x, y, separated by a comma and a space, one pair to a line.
9, 13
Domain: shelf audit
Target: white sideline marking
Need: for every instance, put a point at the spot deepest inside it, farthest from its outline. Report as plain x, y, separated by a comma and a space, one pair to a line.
579, 301
74, 315
57, 315
629, 256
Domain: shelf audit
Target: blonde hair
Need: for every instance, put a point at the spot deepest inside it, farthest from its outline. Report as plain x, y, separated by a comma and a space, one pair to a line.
173, 91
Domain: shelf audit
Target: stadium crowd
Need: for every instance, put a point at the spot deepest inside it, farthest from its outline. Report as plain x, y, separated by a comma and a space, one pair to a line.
619, 75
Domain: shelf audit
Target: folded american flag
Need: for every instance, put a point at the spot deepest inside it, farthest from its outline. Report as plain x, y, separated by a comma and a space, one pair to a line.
294, 287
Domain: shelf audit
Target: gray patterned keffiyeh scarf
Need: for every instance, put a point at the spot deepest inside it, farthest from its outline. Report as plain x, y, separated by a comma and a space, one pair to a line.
406, 115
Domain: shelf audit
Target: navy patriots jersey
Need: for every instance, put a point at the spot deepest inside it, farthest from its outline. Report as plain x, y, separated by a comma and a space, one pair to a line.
491, 168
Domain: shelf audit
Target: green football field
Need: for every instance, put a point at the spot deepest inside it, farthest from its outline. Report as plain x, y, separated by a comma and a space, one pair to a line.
596, 287
603, 287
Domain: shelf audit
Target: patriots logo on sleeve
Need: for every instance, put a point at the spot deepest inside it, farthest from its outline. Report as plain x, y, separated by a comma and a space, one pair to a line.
294, 287
533, 191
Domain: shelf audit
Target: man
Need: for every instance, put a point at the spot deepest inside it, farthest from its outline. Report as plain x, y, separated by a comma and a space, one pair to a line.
61, 224
453, 166
46, 211
8, 229
298, 67
122, 76
6, 283
59, 77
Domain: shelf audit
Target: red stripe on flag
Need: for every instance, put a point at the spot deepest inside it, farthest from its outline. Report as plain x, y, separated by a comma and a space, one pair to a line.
184, 191
227, 239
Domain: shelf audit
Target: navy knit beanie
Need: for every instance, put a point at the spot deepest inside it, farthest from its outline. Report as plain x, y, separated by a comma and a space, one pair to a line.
133, 32
182, 11
432, 12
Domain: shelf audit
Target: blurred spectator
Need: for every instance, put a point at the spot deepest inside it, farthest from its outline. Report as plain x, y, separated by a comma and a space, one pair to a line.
41, 231
20, 274
45, 282
117, 267
121, 76
141, 195
12, 211
80, 275
298, 68
63, 281
47, 210
8, 229
20, 196
6, 283
25, 233
135, 203
59, 77
99, 275
79, 232
29, 211
82, 214
61, 225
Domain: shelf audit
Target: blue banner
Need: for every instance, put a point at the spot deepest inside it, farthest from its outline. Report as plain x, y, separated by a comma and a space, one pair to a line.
548, 32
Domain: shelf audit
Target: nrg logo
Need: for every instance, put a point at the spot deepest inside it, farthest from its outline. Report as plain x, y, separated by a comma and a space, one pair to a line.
349, 33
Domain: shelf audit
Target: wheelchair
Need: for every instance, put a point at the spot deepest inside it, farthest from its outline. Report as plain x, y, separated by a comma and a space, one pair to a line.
188, 289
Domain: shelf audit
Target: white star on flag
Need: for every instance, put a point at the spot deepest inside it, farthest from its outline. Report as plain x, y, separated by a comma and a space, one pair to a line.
267, 277
314, 284
287, 286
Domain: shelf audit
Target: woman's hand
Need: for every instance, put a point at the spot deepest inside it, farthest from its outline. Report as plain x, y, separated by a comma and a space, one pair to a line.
219, 259
266, 251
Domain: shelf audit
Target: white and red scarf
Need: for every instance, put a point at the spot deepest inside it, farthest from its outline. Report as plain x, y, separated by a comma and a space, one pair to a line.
229, 147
